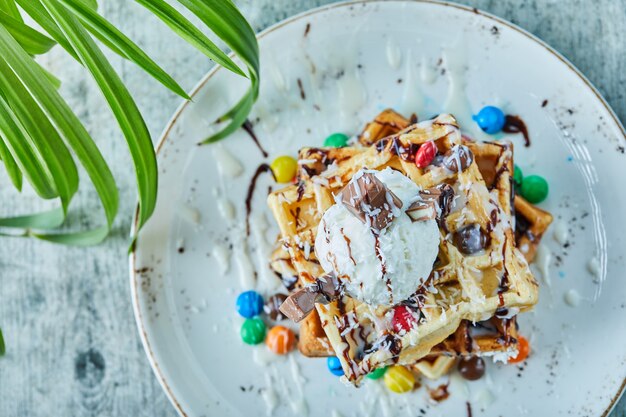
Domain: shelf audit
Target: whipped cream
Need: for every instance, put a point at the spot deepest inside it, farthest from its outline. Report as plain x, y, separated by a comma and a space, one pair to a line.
379, 267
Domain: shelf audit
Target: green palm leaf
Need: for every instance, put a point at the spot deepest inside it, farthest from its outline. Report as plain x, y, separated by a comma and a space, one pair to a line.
9, 164
32, 41
121, 103
70, 128
116, 40
10, 8
40, 135
186, 30
230, 26
43, 138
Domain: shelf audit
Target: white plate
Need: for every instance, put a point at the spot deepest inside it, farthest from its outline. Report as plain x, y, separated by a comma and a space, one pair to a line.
352, 61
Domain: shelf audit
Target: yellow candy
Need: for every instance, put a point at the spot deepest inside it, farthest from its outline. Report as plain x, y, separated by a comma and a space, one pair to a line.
399, 379
284, 168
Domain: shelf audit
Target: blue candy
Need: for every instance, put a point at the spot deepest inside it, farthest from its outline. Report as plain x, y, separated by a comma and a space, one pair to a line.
334, 366
249, 304
490, 119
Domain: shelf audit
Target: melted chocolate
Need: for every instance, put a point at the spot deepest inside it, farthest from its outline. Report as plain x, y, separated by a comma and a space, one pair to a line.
260, 170
301, 186
469, 408
301, 88
514, 124
247, 126
440, 393
289, 281
393, 145
348, 244
383, 265
471, 368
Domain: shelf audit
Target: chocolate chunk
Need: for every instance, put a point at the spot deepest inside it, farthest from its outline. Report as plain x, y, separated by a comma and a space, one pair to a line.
470, 239
301, 302
272, 307
370, 201
442, 196
421, 210
458, 155
472, 368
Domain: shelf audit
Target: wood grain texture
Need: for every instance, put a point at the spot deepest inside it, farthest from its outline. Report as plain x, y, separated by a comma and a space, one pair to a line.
72, 344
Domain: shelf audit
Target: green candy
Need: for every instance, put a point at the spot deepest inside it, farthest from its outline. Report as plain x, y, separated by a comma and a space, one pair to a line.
336, 140
253, 331
534, 189
377, 373
518, 177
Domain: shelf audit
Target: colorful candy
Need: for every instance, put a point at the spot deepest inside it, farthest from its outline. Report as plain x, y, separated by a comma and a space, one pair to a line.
403, 318
377, 373
334, 365
284, 168
534, 189
524, 350
253, 331
336, 140
249, 304
425, 154
490, 119
280, 340
518, 177
399, 379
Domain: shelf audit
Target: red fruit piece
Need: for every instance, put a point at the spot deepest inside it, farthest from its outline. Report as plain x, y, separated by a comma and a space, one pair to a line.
425, 154
403, 319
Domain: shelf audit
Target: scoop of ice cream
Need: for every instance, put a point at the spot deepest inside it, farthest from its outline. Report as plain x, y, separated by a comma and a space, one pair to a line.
379, 267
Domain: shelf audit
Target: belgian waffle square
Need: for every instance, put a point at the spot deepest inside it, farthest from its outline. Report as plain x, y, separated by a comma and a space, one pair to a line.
461, 287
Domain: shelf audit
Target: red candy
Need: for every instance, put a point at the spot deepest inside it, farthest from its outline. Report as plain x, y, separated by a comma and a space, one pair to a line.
403, 318
425, 154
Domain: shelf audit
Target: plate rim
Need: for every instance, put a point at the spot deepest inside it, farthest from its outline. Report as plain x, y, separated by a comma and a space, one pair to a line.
143, 335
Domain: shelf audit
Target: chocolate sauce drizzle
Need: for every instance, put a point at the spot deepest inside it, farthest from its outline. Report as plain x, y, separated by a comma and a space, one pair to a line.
260, 170
348, 242
383, 265
247, 126
514, 124
406, 153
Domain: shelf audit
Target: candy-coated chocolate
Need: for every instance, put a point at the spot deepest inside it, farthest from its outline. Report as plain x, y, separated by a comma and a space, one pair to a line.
403, 319
425, 154
280, 340
253, 331
534, 189
399, 379
284, 168
377, 373
336, 140
518, 177
334, 365
524, 350
490, 119
249, 304
471, 368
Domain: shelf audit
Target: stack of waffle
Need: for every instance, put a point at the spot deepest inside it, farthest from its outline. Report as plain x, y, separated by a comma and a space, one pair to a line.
468, 305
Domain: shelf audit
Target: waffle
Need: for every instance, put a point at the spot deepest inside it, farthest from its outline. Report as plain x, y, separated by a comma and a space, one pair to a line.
461, 288
531, 223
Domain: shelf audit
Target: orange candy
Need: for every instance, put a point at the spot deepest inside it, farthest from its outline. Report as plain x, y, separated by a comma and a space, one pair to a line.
280, 340
524, 350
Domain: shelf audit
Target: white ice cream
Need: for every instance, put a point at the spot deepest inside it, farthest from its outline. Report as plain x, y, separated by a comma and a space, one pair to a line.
406, 249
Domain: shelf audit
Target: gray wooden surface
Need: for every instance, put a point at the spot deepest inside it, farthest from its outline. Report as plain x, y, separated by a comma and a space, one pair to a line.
72, 345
